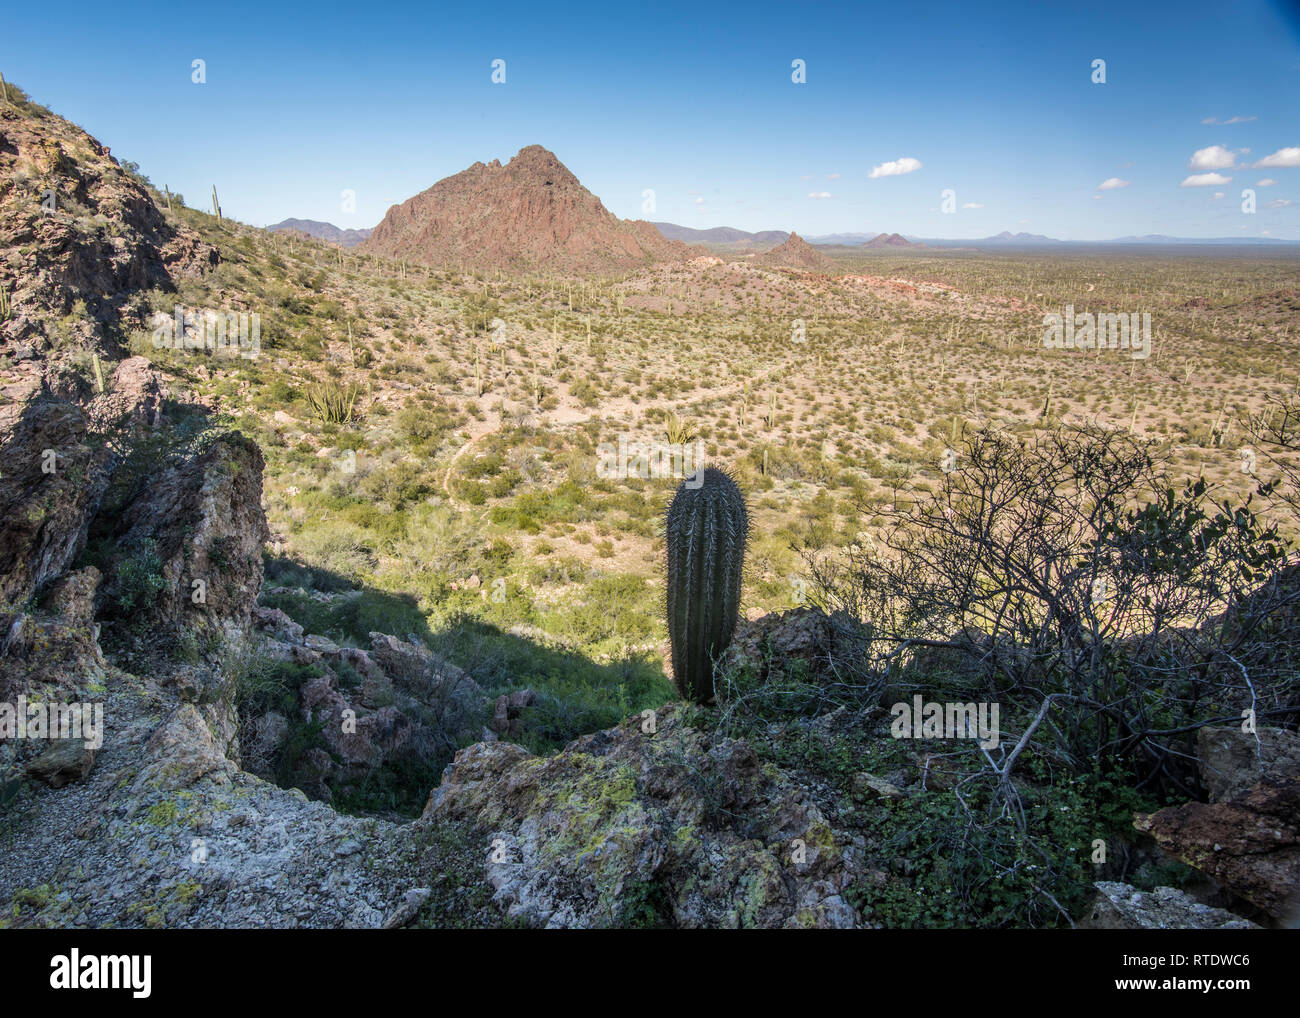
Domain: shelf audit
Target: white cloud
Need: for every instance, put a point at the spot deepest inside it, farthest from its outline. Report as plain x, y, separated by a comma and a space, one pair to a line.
832, 176
819, 194
699, 201
1230, 120
1206, 180
1282, 157
1216, 157
1266, 182
1279, 203
1096, 197
1217, 195
972, 205
1112, 184
899, 166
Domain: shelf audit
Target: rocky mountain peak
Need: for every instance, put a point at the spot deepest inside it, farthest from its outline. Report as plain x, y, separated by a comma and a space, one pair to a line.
532, 213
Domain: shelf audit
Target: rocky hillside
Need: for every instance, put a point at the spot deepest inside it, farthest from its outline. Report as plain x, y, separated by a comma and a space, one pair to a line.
80, 239
726, 237
795, 253
243, 759
530, 214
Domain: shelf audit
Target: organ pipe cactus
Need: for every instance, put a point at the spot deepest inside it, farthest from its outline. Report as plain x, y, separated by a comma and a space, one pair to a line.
706, 528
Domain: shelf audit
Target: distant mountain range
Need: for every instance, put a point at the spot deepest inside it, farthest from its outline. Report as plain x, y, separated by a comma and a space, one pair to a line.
738, 240
720, 235
327, 232
1006, 239
586, 226
728, 237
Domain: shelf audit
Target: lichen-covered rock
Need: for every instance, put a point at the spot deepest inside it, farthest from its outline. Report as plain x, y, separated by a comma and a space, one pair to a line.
52, 480
40, 654
72, 596
1123, 907
658, 824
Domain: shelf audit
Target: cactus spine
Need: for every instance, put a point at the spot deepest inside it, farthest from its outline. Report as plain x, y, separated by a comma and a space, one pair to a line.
707, 526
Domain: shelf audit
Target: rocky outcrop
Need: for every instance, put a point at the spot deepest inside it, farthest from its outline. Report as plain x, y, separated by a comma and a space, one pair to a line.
653, 818
780, 639
447, 691
1250, 846
189, 548
531, 213
1232, 762
508, 713
1123, 907
50, 486
84, 237
394, 707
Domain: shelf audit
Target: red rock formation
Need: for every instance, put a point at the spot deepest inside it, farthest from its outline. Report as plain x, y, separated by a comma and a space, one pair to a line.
530, 214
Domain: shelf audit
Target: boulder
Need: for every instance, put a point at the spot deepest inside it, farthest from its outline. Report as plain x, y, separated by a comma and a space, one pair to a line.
801, 634
666, 826
1232, 761
1249, 846
66, 760
1123, 907
276, 623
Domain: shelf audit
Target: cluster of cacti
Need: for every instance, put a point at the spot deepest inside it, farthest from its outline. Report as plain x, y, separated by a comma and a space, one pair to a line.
706, 529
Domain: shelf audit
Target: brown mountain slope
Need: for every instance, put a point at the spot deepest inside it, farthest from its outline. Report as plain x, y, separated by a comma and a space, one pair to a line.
80, 236
531, 213
795, 253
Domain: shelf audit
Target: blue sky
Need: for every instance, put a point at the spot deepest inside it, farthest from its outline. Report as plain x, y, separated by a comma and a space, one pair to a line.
698, 105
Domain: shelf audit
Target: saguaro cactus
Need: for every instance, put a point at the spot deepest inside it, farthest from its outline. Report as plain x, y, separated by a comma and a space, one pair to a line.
707, 526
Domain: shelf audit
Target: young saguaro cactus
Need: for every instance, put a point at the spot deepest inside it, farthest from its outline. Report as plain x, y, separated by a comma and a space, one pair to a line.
707, 526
